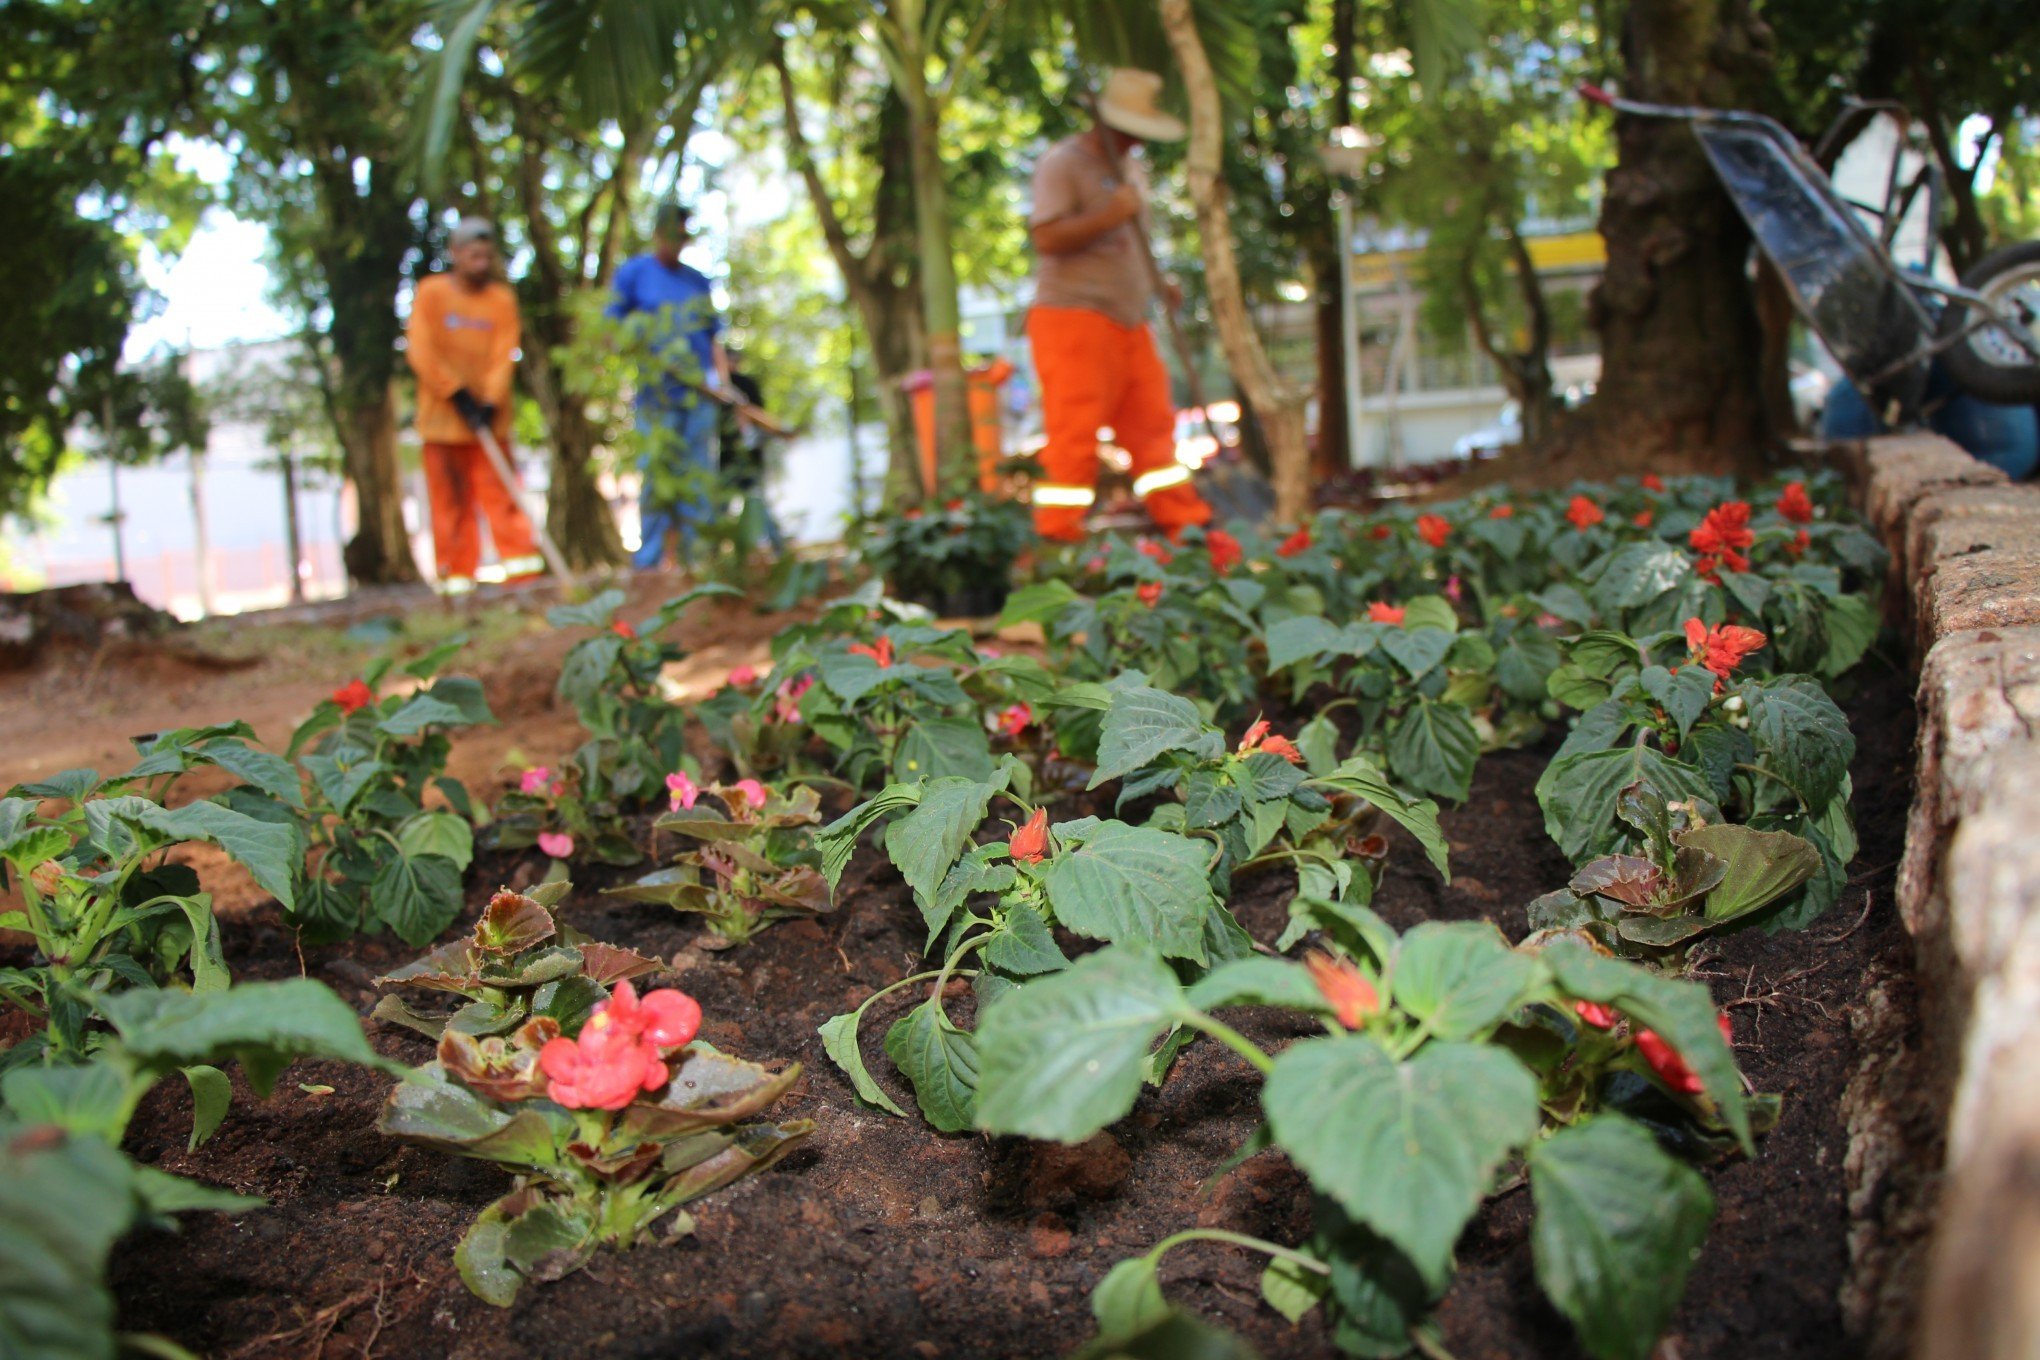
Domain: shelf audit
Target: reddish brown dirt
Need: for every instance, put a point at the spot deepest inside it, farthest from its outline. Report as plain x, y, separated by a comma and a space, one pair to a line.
881, 1238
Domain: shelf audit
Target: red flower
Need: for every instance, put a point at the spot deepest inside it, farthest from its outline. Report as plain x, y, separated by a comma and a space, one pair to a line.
1149, 548
1644, 518
1795, 504
1502, 512
1224, 549
1584, 514
1351, 995
1801, 541
1380, 612
623, 630
1721, 537
1721, 649
1433, 529
1596, 1014
1257, 739
1015, 720
354, 696
882, 653
1296, 543
1380, 531
619, 1050
1029, 844
1150, 593
1669, 1066
1653, 482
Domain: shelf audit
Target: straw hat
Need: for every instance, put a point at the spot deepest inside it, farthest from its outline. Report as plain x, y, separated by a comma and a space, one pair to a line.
1128, 104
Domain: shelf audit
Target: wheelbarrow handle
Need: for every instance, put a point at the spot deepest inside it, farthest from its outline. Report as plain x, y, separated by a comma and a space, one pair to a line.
1594, 94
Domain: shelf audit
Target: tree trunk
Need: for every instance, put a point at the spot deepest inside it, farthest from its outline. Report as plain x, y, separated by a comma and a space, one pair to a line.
941, 306
1679, 334
380, 551
1334, 452
1277, 404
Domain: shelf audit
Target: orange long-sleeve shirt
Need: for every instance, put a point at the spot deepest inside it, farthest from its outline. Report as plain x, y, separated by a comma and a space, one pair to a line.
461, 337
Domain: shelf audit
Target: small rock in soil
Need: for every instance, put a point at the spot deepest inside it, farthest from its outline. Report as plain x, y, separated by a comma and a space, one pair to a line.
1093, 1169
1047, 1238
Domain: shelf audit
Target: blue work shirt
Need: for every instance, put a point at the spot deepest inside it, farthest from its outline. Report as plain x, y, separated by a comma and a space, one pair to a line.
681, 299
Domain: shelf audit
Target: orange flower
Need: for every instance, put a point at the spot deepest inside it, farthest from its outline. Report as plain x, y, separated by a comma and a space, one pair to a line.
1258, 739
882, 653
1644, 518
1502, 512
1653, 482
1433, 529
1801, 541
1584, 514
1296, 543
1379, 532
1669, 1066
1147, 547
1029, 844
1224, 549
1596, 1014
1150, 593
1795, 504
1721, 537
1721, 649
1381, 612
1351, 995
623, 630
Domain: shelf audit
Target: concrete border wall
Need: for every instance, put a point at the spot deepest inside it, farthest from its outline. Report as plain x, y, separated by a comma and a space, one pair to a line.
1945, 1124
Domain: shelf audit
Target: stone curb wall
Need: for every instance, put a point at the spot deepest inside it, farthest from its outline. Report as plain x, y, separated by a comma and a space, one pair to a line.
1950, 1266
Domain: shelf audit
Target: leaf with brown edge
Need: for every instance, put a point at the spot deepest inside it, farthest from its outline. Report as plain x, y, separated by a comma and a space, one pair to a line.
1694, 873
449, 968
512, 922
609, 965
499, 1067
1629, 879
708, 1088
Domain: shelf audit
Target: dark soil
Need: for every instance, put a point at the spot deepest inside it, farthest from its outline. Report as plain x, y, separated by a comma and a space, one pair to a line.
881, 1238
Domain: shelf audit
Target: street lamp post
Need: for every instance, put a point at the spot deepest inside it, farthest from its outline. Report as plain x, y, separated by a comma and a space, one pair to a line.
1345, 157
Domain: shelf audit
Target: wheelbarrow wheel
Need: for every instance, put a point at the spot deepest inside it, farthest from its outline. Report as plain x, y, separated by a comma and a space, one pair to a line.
1990, 363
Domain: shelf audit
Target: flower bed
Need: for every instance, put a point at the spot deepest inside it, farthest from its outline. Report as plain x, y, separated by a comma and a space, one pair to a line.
1229, 748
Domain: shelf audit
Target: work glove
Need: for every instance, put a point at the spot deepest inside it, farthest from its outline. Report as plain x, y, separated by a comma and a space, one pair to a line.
473, 410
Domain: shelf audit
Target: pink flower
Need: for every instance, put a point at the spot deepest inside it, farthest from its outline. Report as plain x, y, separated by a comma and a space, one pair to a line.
1015, 720
534, 779
742, 676
752, 790
1453, 590
619, 1051
796, 686
681, 790
558, 844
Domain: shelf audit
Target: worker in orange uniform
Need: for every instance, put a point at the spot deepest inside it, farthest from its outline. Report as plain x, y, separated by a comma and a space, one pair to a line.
462, 344
1093, 350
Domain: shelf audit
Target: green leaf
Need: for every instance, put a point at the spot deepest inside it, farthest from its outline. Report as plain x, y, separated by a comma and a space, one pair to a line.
269, 850
1408, 1148
1637, 574
65, 1202
1258, 981
1852, 625
1762, 866
1129, 1299
1145, 722
1808, 740
211, 1094
1037, 603
595, 612
928, 840
1618, 1226
1210, 798
91, 1099
32, 847
266, 770
1459, 977
838, 840
1418, 816
1131, 884
1684, 696
1417, 650
263, 1024
942, 1063
1064, 1056
1579, 794
936, 747
1525, 664
419, 712
438, 833
1023, 944
1291, 1290
342, 778
839, 1041
1292, 640
1430, 611
1432, 747
1681, 1012
417, 896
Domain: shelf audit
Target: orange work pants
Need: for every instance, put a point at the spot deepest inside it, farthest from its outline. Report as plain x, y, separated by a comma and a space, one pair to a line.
463, 488
1096, 372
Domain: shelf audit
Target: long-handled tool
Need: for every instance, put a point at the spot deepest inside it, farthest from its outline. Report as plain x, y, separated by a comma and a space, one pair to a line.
750, 411
501, 463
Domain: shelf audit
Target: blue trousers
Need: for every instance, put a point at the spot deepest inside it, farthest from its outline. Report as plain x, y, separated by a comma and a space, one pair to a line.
693, 445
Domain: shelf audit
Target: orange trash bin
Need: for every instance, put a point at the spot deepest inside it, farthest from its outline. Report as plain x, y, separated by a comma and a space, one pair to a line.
987, 419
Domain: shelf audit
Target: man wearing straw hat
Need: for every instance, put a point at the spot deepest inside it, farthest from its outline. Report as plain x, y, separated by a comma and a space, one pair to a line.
1093, 350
